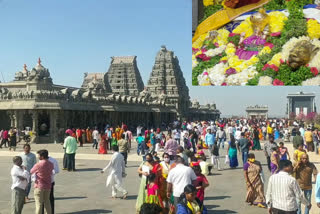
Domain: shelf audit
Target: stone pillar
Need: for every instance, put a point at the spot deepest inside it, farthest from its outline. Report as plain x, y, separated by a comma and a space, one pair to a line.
12, 118
53, 125
34, 126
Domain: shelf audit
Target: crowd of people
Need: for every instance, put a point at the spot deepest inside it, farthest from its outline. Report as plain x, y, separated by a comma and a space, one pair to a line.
177, 159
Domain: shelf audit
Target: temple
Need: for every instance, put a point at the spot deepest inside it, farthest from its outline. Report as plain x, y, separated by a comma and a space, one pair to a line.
116, 96
257, 112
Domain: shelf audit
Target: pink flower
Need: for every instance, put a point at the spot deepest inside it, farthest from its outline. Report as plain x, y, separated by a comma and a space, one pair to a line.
314, 70
205, 73
203, 50
216, 44
233, 34
275, 34
307, 65
281, 61
224, 84
195, 50
265, 67
277, 82
274, 67
269, 44
224, 61
203, 57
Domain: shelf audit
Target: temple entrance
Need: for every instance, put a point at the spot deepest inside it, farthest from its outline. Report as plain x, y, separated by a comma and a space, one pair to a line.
27, 121
4, 120
44, 124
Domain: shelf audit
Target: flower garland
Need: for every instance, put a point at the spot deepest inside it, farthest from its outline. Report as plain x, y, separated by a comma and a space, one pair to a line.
207, 3
313, 29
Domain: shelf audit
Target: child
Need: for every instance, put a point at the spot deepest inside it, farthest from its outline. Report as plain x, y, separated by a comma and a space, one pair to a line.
284, 154
215, 156
202, 183
274, 161
189, 203
298, 152
153, 191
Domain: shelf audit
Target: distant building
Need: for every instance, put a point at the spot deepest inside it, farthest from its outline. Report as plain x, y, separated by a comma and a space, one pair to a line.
301, 103
257, 112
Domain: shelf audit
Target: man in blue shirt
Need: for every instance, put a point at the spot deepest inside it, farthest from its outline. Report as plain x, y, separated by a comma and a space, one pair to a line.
209, 139
152, 141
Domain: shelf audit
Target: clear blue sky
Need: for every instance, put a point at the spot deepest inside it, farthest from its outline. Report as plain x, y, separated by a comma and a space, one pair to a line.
77, 36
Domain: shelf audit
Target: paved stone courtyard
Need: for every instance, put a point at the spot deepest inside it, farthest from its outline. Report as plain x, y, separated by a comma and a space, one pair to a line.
84, 191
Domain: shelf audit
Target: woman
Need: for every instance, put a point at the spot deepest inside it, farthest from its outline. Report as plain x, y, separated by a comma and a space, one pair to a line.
188, 203
147, 167
165, 166
255, 192
256, 142
232, 152
103, 143
284, 154
89, 135
274, 164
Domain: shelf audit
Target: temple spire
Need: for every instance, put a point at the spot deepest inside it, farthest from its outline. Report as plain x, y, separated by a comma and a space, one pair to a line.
39, 61
25, 67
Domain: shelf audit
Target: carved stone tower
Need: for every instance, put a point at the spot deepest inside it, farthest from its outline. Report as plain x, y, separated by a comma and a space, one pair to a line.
167, 78
124, 76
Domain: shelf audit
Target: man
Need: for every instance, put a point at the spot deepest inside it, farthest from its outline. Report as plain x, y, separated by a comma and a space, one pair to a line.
4, 139
12, 139
269, 131
128, 137
221, 135
268, 150
297, 140
140, 141
284, 192
315, 138
70, 145
123, 148
20, 179
237, 135
303, 173
244, 148
42, 187
171, 147
309, 140
152, 141
28, 160
194, 138
179, 177
79, 136
95, 136
181, 153
56, 170
116, 171
209, 139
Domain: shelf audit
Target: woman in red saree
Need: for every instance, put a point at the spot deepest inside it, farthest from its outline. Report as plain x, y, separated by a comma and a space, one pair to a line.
103, 143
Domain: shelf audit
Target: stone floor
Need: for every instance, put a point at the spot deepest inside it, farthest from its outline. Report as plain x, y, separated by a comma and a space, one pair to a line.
84, 191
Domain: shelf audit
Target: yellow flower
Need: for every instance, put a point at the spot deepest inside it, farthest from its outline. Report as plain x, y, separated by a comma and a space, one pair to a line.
207, 3
199, 42
313, 29
230, 50
222, 38
276, 21
275, 60
265, 49
244, 27
224, 58
198, 53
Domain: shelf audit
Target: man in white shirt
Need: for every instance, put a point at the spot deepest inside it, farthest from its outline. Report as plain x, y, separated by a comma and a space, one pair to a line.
116, 171
179, 177
284, 192
95, 136
237, 135
20, 179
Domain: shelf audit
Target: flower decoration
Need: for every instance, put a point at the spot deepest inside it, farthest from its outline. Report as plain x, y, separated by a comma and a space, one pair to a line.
277, 82
314, 70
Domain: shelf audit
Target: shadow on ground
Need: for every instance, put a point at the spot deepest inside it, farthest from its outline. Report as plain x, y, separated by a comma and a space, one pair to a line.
88, 169
66, 198
97, 211
216, 198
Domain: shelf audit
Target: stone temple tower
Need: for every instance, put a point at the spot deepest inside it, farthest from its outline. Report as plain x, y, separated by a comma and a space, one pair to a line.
124, 76
167, 78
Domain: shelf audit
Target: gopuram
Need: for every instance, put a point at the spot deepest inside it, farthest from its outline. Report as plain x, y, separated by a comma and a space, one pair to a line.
118, 95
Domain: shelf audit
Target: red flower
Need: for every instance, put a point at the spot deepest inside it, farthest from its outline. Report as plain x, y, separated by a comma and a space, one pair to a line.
203, 50
274, 67
268, 44
233, 34
224, 61
281, 61
265, 67
307, 65
224, 84
314, 70
277, 82
275, 34
203, 57
194, 50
